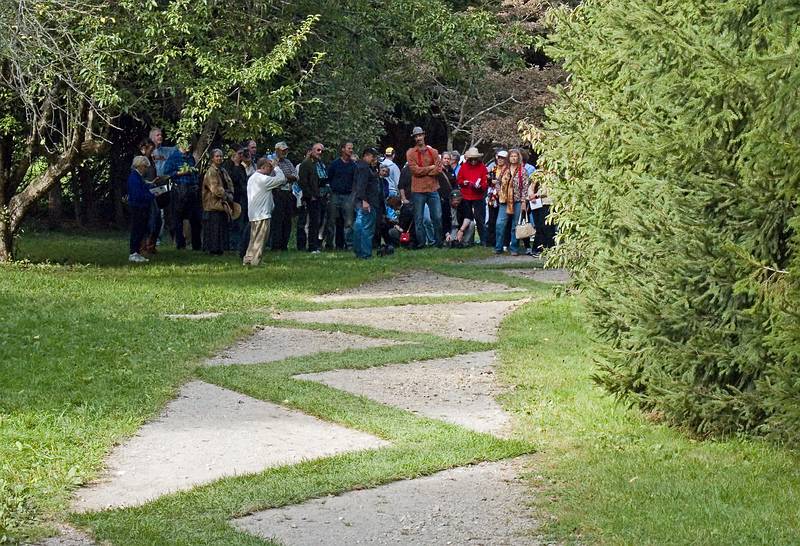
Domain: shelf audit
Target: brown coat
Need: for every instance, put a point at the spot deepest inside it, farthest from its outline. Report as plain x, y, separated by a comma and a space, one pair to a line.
425, 166
514, 183
216, 183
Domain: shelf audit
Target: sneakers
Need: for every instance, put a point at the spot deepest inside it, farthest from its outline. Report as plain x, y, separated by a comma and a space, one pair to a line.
315, 252
529, 252
137, 258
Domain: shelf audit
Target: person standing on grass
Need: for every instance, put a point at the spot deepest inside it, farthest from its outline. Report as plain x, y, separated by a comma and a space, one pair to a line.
340, 201
260, 203
312, 172
181, 169
394, 172
218, 200
139, 201
426, 166
368, 202
238, 173
284, 200
473, 181
495, 169
512, 199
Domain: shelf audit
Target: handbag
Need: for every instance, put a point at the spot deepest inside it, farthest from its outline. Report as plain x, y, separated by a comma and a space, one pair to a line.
524, 228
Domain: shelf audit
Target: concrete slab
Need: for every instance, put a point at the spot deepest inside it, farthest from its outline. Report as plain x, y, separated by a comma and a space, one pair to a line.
477, 321
208, 433
417, 283
458, 390
481, 504
550, 276
270, 344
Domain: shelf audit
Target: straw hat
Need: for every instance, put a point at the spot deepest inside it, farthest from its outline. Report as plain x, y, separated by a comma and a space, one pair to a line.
473, 153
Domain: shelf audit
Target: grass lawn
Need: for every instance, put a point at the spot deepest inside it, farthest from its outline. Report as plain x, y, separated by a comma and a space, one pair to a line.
87, 355
609, 475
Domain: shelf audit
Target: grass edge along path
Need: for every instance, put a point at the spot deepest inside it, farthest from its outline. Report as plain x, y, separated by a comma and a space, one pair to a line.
419, 446
610, 475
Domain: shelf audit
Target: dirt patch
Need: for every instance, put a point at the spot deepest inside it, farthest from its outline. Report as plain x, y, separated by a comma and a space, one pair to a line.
477, 321
550, 276
458, 390
270, 344
196, 316
417, 283
481, 504
207, 433
67, 536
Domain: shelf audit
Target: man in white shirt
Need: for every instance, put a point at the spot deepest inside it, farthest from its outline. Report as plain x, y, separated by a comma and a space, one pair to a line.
259, 206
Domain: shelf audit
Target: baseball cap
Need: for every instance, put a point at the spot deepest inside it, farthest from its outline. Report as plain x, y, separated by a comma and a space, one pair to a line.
281, 145
389, 150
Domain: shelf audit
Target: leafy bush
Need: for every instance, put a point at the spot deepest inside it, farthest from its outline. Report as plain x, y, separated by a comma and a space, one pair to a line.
674, 159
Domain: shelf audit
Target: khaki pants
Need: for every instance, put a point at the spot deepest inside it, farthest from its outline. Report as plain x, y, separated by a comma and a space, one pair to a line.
259, 232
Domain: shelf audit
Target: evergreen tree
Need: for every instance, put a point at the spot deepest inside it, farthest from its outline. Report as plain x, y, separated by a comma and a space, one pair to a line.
673, 158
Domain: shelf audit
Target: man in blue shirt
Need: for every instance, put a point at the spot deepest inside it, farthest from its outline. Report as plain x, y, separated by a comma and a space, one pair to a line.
340, 203
180, 167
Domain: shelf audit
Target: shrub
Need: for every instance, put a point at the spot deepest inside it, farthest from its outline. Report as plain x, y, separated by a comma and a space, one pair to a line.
674, 159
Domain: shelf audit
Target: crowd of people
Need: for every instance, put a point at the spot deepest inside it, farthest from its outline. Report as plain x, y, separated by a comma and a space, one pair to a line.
247, 201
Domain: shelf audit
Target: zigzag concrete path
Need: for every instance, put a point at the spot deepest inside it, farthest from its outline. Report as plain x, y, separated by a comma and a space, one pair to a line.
482, 504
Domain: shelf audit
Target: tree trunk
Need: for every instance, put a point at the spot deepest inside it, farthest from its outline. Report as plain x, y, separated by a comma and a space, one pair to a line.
6, 239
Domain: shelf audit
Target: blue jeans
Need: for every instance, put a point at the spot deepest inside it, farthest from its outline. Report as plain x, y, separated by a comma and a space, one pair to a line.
500, 227
434, 203
364, 232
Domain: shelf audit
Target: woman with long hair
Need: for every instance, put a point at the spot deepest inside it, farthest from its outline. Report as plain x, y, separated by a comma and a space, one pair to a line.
512, 197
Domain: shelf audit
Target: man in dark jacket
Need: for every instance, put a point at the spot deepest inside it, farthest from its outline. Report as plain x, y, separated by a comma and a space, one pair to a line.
340, 201
309, 181
233, 166
368, 202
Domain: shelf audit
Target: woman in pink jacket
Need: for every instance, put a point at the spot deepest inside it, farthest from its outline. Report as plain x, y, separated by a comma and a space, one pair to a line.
473, 180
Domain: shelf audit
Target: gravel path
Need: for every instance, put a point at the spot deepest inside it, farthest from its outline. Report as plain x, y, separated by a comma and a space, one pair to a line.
207, 433
270, 344
551, 276
459, 390
417, 283
505, 259
67, 536
477, 321
481, 505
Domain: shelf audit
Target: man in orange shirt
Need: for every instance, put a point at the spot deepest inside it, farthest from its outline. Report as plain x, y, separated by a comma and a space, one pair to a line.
426, 166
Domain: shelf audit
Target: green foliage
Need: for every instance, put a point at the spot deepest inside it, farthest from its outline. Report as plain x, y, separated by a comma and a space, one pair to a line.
673, 157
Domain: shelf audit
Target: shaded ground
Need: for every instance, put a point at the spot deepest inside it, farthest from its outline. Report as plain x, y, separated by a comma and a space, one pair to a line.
505, 259
481, 504
459, 390
207, 433
67, 536
416, 283
270, 344
477, 321
552, 276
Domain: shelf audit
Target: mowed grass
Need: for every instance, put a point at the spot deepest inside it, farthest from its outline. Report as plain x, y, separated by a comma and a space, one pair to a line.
609, 475
87, 355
